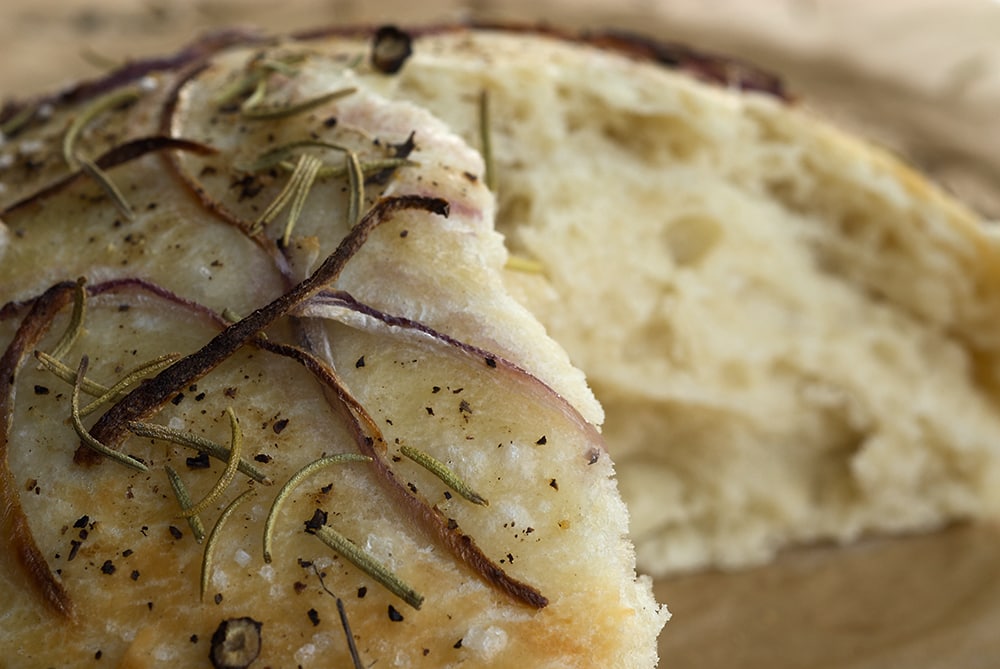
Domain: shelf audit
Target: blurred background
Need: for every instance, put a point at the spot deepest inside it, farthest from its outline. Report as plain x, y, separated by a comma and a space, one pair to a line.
921, 77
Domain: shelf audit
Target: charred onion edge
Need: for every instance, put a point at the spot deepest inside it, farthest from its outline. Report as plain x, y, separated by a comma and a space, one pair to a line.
15, 523
346, 300
111, 428
113, 157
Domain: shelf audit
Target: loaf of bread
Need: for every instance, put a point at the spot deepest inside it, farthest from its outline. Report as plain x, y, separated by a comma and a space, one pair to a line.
266, 400
794, 336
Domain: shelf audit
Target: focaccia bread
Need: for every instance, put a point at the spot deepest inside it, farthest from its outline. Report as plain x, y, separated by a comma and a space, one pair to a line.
794, 335
266, 400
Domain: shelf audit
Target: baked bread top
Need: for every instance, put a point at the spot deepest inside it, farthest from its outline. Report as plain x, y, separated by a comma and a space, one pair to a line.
304, 273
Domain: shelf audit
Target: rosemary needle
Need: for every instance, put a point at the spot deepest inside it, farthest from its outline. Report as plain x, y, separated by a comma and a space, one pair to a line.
81, 431
198, 443
227, 474
75, 326
290, 485
441, 470
213, 537
184, 499
368, 564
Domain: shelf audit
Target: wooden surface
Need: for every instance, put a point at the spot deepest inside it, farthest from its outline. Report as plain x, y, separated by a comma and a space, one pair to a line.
926, 82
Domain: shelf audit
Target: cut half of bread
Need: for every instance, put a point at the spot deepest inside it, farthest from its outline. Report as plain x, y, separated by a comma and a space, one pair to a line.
266, 400
793, 334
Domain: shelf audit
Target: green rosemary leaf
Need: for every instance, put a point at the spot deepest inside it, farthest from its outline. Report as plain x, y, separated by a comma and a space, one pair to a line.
356, 186
120, 388
228, 473
310, 168
184, 499
259, 112
65, 373
485, 140
294, 481
213, 537
368, 564
441, 470
281, 154
75, 326
286, 196
517, 263
81, 431
18, 120
88, 114
107, 185
198, 443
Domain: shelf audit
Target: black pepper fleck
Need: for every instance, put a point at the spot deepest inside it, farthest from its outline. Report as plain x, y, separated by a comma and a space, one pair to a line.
134, 575
554, 484
175, 532
317, 521
458, 644
74, 546
41, 390
362, 591
81, 522
394, 615
262, 457
542, 440
108, 567
279, 425
313, 616
199, 461
360, 362
178, 398
491, 362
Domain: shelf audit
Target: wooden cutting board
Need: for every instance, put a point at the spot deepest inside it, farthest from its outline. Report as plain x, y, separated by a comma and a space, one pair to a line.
923, 601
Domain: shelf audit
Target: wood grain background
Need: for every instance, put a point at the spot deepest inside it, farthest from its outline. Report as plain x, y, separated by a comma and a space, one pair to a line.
921, 76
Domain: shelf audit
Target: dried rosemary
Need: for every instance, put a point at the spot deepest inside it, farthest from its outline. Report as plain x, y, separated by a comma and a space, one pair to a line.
85, 436
486, 141
198, 443
213, 538
184, 499
368, 564
294, 481
228, 473
447, 476
258, 112
87, 115
75, 326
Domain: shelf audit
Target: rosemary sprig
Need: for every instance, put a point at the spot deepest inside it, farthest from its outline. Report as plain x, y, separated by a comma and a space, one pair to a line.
120, 387
81, 431
228, 473
65, 373
258, 112
294, 481
447, 476
184, 499
486, 141
88, 114
517, 263
282, 154
356, 188
294, 193
213, 538
198, 443
368, 564
18, 120
107, 185
104, 393
310, 168
75, 326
